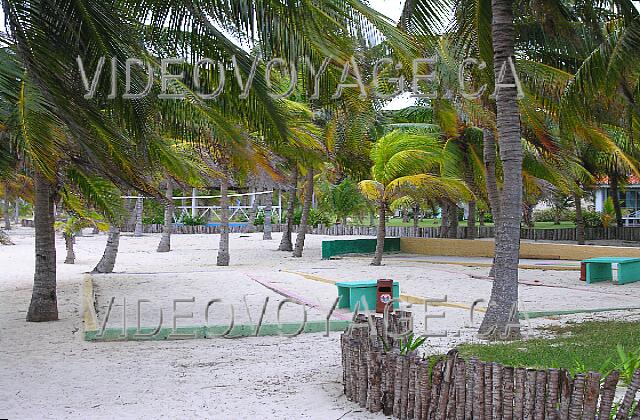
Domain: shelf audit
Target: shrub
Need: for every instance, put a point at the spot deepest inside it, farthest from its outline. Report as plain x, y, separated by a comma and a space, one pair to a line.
590, 218
316, 218
548, 215
152, 213
188, 220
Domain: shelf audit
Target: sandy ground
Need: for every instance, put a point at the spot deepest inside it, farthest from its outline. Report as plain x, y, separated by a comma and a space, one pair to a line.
48, 371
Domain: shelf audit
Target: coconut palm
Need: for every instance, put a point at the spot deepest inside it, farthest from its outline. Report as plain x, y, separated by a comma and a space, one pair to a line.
285, 242
165, 239
342, 199
306, 208
406, 160
74, 225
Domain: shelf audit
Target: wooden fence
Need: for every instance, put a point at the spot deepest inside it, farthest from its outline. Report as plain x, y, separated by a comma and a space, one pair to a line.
407, 386
561, 234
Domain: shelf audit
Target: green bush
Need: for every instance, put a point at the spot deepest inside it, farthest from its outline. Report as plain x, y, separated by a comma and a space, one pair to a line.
548, 215
316, 218
488, 218
591, 218
152, 213
188, 220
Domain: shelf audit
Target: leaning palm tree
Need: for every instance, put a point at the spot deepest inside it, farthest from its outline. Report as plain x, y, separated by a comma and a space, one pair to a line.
285, 241
304, 218
405, 160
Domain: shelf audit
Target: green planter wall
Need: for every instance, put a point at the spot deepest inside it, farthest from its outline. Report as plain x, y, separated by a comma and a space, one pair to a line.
357, 246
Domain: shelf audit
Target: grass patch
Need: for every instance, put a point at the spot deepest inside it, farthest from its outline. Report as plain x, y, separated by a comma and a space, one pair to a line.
583, 347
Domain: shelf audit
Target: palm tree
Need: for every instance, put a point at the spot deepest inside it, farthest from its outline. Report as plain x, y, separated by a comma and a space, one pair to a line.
304, 218
5, 209
223, 247
285, 242
165, 239
108, 260
44, 301
405, 160
266, 231
501, 319
74, 225
138, 210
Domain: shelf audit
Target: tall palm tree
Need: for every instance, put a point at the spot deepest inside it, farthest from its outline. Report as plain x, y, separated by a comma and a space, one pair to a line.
304, 218
223, 247
501, 319
285, 242
406, 160
165, 239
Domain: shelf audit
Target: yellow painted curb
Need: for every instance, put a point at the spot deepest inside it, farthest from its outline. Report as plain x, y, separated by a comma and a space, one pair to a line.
414, 300
483, 264
89, 317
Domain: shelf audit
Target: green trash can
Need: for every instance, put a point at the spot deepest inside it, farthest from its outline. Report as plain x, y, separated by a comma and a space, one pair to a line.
351, 292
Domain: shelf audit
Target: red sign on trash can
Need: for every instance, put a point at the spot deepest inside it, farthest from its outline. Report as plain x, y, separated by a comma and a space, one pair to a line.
384, 294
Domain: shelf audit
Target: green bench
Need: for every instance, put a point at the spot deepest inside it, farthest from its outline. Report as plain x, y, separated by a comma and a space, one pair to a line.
351, 292
600, 269
357, 246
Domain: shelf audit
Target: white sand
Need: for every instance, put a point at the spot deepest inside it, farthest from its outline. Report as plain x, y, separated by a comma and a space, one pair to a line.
47, 370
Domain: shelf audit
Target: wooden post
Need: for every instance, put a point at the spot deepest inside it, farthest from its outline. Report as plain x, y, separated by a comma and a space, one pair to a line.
488, 391
608, 394
478, 393
460, 389
497, 390
507, 395
566, 384
411, 403
577, 397
592, 392
541, 383
518, 401
627, 401
529, 395
553, 378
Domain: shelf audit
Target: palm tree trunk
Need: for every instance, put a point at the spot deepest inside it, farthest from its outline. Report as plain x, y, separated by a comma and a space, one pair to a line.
266, 231
16, 211
304, 219
223, 248
471, 221
579, 220
489, 152
405, 216
285, 242
501, 318
165, 239
44, 302
481, 218
444, 219
416, 219
452, 232
613, 182
250, 227
108, 260
138, 209
5, 209
68, 243
382, 228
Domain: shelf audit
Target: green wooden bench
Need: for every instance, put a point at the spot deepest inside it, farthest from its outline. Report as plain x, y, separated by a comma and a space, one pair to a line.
600, 269
351, 292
